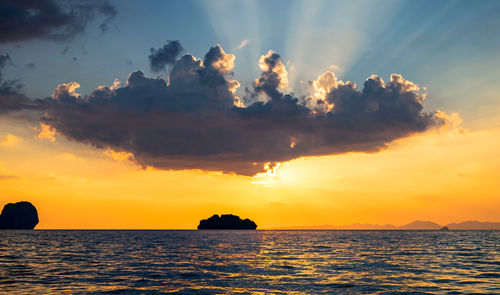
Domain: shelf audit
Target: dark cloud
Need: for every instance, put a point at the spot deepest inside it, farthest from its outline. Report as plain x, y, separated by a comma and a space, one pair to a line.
193, 120
8, 89
110, 12
11, 98
160, 58
22, 20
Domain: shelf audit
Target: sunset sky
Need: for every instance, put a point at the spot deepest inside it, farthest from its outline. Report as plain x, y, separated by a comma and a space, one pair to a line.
156, 114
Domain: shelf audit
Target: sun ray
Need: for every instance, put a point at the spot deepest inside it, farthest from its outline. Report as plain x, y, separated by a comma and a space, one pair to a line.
236, 23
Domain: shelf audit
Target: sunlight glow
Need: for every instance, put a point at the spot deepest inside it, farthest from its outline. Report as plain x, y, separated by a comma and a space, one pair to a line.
66, 89
119, 156
269, 176
46, 132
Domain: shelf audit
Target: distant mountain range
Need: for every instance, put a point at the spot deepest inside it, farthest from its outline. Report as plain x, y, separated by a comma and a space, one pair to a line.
415, 225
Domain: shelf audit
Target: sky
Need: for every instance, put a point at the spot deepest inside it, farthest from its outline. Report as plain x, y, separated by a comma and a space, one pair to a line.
156, 114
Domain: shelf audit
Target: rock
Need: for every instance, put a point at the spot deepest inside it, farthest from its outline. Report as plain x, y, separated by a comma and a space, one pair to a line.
444, 228
226, 221
20, 215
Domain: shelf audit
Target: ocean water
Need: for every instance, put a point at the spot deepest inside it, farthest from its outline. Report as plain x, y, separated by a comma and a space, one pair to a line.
249, 262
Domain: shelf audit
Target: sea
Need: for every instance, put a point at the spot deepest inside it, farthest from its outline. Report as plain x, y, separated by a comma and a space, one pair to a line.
249, 262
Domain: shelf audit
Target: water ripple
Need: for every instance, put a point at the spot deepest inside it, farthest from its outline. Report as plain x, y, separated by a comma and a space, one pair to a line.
249, 262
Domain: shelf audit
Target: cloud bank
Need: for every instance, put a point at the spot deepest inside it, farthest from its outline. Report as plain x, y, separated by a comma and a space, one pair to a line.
22, 20
194, 120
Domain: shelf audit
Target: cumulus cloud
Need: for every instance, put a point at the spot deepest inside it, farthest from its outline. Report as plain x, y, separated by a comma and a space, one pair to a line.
22, 20
216, 58
321, 87
193, 120
160, 58
274, 75
66, 92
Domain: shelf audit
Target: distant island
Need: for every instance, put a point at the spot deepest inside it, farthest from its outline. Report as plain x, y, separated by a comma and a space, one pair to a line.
20, 215
226, 221
415, 225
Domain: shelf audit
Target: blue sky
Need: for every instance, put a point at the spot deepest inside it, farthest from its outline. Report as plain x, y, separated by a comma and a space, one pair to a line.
450, 47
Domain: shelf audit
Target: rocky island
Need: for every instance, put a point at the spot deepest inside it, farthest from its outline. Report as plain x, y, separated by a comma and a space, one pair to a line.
20, 215
226, 221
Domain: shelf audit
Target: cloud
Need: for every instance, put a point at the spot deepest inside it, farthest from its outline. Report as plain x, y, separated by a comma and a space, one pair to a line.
10, 97
273, 77
219, 60
7, 87
118, 156
42, 19
322, 86
243, 43
50, 19
163, 56
109, 11
335, 68
46, 132
193, 120
66, 92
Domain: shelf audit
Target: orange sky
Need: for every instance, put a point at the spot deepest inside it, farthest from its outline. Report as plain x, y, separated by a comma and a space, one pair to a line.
445, 176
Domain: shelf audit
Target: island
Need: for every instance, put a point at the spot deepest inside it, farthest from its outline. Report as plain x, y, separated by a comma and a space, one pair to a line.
20, 215
226, 221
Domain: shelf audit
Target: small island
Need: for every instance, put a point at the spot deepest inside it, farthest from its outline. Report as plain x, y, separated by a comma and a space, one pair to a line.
226, 221
20, 215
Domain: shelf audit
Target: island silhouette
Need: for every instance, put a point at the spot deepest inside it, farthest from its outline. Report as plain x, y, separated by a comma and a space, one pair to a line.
20, 215
226, 221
